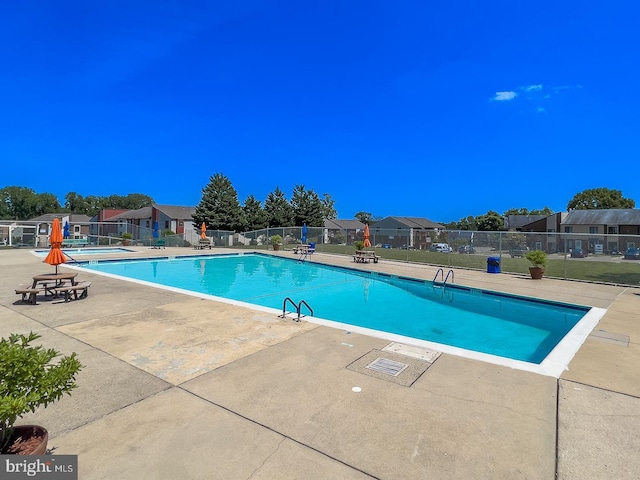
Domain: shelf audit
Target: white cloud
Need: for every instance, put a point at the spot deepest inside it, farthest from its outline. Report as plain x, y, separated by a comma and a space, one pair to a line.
541, 110
504, 96
532, 88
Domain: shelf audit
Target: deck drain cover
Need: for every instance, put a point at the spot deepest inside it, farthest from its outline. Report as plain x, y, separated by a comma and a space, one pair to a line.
386, 366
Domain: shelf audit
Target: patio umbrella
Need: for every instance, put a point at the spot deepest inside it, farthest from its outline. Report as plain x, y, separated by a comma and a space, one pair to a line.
203, 231
55, 255
367, 242
156, 231
65, 233
304, 233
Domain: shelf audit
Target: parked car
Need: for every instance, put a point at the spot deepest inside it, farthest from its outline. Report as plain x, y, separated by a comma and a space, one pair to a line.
632, 253
578, 253
466, 249
518, 252
441, 247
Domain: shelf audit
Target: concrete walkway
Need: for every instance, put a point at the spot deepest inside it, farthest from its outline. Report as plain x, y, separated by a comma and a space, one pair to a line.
180, 387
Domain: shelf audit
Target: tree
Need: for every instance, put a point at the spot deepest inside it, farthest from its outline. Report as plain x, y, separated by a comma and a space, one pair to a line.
254, 214
278, 210
219, 208
490, 222
364, 217
598, 199
20, 203
328, 207
307, 207
524, 211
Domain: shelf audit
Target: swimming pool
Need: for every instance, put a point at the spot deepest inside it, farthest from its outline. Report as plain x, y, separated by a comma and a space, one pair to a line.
517, 329
86, 251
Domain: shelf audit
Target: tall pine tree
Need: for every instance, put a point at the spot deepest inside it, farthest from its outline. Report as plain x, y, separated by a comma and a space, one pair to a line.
278, 210
219, 208
254, 214
307, 207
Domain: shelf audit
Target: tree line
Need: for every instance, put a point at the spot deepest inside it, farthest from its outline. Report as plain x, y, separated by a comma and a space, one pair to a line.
21, 203
220, 209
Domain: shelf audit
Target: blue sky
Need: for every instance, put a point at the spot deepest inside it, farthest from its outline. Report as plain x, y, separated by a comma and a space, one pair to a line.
432, 109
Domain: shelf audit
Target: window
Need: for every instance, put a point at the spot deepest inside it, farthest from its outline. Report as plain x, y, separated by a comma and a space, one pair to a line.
593, 229
166, 225
612, 229
568, 229
76, 228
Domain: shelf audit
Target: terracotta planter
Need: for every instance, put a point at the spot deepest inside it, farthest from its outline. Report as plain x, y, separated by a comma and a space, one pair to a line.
536, 272
27, 440
276, 247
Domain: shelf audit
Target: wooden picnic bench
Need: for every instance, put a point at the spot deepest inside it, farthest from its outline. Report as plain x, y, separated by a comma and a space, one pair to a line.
204, 243
68, 290
365, 256
301, 249
29, 293
75, 242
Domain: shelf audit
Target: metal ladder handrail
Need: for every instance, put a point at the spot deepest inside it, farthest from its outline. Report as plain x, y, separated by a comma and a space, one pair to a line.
303, 302
443, 283
436, 275
303, 257
298, 307
447, 277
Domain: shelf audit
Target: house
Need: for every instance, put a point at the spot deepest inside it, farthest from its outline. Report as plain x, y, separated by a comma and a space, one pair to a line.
140, 222
405, 232
516, 223
549, 228
602, 231
79, 226
342, 231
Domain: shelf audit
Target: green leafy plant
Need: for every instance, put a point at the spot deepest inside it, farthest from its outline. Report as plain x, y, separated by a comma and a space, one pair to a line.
538, 258
126, 236
29, 379
359, 244
276, 240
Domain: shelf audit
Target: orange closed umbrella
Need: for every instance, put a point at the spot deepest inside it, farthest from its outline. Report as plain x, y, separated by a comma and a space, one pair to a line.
367, 242
203, 231
55, 255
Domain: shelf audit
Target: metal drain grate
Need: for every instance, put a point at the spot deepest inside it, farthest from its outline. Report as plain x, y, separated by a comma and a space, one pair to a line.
386, 366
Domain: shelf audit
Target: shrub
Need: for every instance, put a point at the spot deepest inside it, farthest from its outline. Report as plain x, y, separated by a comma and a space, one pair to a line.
276, 240
538, 258
29, 379
359, 244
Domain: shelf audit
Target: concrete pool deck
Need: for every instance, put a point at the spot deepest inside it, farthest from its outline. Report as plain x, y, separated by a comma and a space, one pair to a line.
180, 387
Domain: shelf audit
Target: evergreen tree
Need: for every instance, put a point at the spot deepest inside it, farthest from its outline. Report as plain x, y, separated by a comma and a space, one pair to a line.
278, 210
254, 214
307, 207
328, 207
219, 208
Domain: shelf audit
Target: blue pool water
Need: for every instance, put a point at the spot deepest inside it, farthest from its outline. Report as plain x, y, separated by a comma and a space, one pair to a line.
85, 251
483, 321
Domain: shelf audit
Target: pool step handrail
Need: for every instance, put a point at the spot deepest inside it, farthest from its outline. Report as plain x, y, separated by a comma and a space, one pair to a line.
450, 272
441, 272
298, 307
443, 283
303, 257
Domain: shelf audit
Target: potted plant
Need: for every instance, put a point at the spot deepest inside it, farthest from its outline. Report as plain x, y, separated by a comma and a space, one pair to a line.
29, 379
126, 238
276, 241
359, 244
538, 260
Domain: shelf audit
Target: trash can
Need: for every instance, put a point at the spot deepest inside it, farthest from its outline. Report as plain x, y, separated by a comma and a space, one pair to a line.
312, 247
493, 265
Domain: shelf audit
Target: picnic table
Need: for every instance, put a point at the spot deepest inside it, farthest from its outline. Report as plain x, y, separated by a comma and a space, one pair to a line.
54, 284
301, 248
365, 256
